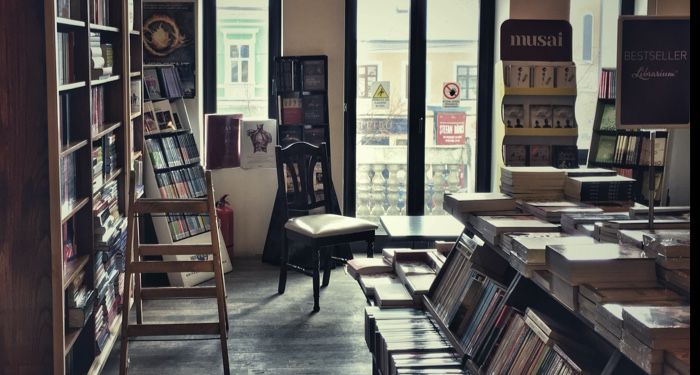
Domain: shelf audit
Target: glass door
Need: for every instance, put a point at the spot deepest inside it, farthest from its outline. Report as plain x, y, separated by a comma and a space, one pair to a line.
381, 121
389, 35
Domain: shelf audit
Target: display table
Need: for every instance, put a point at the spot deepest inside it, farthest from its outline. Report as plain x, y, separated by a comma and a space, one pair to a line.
420, 228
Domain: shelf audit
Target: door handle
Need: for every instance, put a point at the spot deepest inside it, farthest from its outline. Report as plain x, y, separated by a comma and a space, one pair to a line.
421, 125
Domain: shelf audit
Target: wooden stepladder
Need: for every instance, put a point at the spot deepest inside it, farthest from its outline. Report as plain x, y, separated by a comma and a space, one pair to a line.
135, 265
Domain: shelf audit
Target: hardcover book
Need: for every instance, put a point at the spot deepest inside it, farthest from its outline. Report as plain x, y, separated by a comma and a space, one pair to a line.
222, 140
518, 75
606, 149
314, 75
607, 119
564, 156
514, 116
563, 116
164, 115
540, 116
543, 76
292, 109
313, 107
566, 76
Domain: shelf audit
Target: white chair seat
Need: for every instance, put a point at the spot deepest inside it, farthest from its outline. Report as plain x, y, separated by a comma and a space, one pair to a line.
327, 225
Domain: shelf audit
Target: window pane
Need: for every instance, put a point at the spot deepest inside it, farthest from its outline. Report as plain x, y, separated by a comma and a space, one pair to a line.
244, 71
234, 71
242, 25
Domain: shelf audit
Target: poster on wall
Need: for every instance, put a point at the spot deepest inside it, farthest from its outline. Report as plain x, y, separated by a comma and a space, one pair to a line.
258, 141
450, 128
169, 38
653, 72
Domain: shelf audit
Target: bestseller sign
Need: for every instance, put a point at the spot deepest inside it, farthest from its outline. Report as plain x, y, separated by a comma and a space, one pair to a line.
450, 94
653, 72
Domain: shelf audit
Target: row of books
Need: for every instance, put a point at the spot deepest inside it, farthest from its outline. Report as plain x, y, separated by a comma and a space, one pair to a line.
558, 156
298, 108
68, 9
162, 82
97, 108
101, 57
80, 301
64, 118
182, 183
160, 116
172, 151
606, 86
454, 280
100, 12
65, 50
538, 116
67, 189
599, 189
630, 149
526, 75
301, 75
104, 160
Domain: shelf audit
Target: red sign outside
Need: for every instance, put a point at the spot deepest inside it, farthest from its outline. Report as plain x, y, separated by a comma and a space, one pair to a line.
450, 128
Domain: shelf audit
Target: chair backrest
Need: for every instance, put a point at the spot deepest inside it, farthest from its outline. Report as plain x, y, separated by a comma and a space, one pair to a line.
304, 178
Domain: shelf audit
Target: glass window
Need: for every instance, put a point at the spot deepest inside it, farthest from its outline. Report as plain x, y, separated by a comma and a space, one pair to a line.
242, 39
587, 37
366, 75
467, 78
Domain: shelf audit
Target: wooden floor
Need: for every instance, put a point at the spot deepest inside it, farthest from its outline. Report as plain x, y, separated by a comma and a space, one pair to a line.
269, 334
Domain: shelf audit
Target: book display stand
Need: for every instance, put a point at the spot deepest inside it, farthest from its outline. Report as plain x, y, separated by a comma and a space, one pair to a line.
628, 152
94, 130
301, 87
538, 94
173, 168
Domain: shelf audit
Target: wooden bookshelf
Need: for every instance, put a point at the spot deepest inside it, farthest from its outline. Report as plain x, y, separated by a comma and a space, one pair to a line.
69, 94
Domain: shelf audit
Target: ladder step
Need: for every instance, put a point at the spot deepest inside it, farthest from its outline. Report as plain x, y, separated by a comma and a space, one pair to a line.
172, 266
178, 292
176, 329
153, 205
162, 249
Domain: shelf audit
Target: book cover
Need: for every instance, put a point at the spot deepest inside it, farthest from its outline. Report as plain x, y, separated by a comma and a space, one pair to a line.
515, 155
292, 112
566, 76
543, 76
149, 118
313, 108
135, 96
222, 140
540, 155
519, 75
313, 75
164, 115
540, 116
607, 119
606, 148
564, 156
150, 79
563, 116
258, 141
514, 116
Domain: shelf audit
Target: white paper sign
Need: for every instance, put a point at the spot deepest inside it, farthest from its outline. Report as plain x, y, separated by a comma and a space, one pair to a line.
380, 94
450, 94
258, 141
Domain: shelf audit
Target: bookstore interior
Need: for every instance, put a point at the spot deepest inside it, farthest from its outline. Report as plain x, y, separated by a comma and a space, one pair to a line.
511, 196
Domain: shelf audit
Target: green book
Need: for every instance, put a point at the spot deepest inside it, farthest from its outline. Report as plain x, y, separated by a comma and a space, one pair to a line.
607, 120
606, 148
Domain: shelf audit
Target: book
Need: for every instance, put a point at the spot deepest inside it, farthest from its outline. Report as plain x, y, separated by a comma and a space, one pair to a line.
659, 327
135, 96
565, 76
543, 76
540, 116
659, 151
514, 115
313, 75
164, 115
600, 263
563, 116
599, 188
564, 157
369, 282
540, 155
314, 109
367, 266
152, 84
478, 202
515, 155
606, 149
292, 112
222, 140
491, 227
607, 118
518, 75
531, 247
392, 295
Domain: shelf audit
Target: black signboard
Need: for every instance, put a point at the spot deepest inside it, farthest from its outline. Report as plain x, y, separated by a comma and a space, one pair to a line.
536, 40
653, 72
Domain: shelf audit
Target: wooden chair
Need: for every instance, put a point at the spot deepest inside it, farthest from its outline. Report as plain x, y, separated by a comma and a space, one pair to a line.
310, 220
135, 265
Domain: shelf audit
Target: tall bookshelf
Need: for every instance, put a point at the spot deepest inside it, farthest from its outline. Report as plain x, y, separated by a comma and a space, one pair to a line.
90, 153
172, 168
626, 151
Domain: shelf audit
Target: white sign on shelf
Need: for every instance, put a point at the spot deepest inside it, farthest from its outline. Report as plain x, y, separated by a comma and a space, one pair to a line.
380, 94
450, 94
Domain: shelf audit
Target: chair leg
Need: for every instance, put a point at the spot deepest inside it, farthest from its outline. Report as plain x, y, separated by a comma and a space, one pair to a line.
370, 249
316, 271
327, 267
283, 264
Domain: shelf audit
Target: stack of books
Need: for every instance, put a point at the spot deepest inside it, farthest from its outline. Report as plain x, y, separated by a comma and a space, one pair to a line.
672, 252
101, 57
582, 223
465, 203
527, 250
67, 189
552, 210
596, 265
647, 331
609, 230
599, 189
492, 227
79, 302
533, 183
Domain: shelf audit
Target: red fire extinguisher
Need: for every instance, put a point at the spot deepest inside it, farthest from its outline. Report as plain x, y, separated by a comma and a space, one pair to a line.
225, 214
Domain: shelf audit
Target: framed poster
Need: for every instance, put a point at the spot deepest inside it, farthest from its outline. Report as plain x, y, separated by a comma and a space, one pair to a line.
653, 72
258, 141
169, 38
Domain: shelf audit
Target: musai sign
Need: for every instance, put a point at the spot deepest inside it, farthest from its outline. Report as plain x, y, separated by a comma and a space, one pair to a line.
653, 72
536, 40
